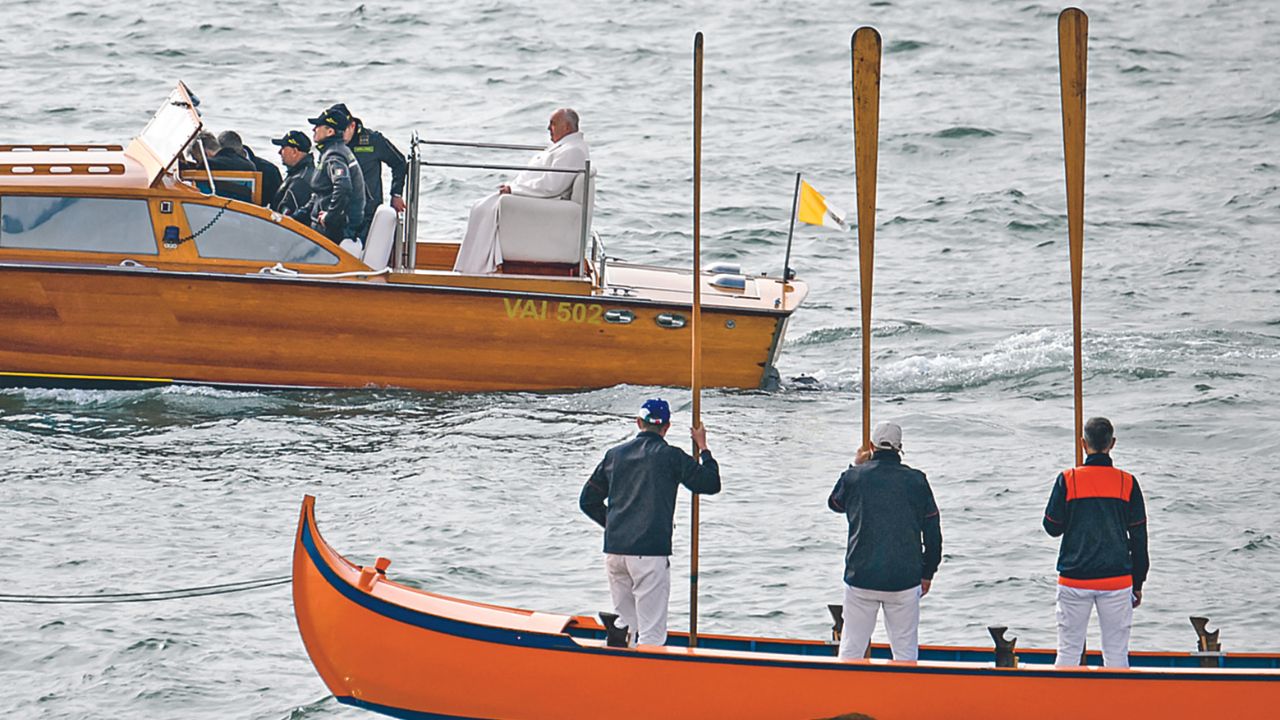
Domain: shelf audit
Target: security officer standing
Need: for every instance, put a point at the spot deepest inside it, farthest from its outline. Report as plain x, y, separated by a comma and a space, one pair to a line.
1098, 511
295, 191
639, 480
337, 186
373, 150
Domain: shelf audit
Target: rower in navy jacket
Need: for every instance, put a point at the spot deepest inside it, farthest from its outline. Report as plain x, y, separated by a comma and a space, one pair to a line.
1098, 510
895, 545
639, 479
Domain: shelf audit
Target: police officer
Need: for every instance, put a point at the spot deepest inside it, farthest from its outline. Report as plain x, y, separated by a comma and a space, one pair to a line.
337, 186
373, 150
295, 191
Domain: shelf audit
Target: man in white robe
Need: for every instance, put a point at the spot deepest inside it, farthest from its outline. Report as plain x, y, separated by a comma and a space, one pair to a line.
480, 251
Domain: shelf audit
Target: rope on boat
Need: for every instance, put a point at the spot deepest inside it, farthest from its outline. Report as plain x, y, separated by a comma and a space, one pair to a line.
150, 596
280, 270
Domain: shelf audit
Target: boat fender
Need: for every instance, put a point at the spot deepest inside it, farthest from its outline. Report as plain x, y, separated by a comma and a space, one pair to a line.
1004, 647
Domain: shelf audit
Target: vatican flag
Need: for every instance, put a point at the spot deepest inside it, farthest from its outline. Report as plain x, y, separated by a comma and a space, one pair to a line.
815, 210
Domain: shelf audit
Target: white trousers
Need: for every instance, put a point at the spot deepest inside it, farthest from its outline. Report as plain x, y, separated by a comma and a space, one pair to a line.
901, 621
1115, 619
641, 589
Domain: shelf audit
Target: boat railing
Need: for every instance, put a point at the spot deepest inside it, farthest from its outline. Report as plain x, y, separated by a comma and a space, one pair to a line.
404, 252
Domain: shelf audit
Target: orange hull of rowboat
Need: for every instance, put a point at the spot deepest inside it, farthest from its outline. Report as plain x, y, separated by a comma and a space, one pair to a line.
408, 653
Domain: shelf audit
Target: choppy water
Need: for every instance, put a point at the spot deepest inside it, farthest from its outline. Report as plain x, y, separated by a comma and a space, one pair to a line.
476, 495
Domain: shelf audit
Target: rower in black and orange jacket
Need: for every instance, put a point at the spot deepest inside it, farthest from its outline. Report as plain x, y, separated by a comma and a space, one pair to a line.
1098, 511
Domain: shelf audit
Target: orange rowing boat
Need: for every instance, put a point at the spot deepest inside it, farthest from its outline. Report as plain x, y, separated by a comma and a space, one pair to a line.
390, 648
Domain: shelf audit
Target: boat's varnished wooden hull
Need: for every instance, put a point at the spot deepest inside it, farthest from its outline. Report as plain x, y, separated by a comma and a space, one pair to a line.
72, 323
412, 654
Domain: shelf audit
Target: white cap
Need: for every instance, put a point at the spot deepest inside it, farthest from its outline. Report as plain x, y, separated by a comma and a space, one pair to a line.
887, 436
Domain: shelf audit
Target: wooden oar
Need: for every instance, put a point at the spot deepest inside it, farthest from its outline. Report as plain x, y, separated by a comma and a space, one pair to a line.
1073, 51
695, 323
866, 136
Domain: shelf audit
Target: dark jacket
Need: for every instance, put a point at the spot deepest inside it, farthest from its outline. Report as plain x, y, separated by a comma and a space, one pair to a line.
337, 188
227, 159
270, 176
295, 191
1102, 519
895, 537
639, 479
372, 150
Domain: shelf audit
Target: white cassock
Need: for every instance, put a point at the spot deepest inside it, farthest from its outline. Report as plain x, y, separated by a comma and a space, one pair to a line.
480, 252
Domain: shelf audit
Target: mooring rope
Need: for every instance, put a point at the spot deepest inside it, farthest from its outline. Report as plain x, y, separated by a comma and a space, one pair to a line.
149, 596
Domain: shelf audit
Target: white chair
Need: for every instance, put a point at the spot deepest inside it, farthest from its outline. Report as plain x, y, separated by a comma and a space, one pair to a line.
382, 235
545, 230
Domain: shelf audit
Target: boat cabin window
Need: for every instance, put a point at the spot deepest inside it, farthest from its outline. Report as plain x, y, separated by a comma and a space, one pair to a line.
107, 225
237, 236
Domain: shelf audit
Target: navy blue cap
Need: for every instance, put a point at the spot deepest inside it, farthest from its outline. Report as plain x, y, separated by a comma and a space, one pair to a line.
332, 117
295, 139
655, 412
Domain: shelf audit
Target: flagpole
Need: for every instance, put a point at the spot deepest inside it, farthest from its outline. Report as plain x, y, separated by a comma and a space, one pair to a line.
865, 47
786, 264
695, 324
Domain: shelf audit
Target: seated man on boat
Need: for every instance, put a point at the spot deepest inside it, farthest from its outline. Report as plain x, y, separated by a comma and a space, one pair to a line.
632, 495
230, 142
337, 185
480, 251
295, 190
895, 545
1098, 511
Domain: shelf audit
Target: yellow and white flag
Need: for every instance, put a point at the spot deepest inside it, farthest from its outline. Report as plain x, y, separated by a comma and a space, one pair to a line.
815, 210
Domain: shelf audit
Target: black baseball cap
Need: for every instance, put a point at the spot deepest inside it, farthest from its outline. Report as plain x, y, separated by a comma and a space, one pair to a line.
294, 139
343, 108
333, 117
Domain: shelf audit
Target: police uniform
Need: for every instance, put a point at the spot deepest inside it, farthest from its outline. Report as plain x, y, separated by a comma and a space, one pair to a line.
295, 191
373, 150
337, 185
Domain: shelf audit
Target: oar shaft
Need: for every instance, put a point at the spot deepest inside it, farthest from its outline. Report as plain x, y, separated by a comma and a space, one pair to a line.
866, 137
695, 325
1073, 37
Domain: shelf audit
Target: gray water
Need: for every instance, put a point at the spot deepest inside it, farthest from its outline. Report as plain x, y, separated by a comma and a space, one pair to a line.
477, 495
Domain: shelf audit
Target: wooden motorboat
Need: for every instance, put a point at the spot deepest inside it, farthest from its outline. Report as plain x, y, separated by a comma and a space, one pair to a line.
116, 269
387, 647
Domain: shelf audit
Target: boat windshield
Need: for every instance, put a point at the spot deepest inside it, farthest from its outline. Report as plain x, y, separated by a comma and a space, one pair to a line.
173, 126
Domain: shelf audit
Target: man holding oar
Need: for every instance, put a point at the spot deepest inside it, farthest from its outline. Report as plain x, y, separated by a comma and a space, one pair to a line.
1098, 511
895, 545
639, 479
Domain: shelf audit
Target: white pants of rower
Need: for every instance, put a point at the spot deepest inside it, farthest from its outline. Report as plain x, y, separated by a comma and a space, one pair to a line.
901, 621
1115, 619
641, 589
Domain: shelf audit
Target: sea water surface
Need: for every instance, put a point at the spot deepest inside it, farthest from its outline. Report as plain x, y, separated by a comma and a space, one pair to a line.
476, 495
